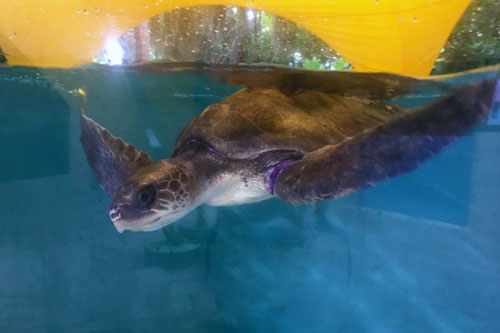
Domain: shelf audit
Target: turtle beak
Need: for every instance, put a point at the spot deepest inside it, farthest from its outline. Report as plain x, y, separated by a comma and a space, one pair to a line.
114, 214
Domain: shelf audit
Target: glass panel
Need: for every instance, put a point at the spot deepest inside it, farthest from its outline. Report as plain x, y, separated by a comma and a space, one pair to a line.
415, 253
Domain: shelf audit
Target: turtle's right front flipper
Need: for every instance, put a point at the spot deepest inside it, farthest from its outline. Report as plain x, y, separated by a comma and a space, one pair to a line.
112, 159
388, 150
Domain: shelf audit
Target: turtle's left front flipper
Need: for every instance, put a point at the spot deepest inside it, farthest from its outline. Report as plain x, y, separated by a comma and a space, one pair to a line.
389, 150
112, 159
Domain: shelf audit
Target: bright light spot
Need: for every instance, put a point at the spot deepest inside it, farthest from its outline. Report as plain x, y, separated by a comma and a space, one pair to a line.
250, 15
235, 10
113, 53
297, 56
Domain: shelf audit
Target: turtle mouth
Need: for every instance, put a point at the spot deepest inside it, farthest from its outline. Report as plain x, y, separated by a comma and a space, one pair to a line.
115, 214
121, 226
126, 217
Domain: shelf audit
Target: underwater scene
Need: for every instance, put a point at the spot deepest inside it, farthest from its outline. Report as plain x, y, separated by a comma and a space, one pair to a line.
421, 248
244, 223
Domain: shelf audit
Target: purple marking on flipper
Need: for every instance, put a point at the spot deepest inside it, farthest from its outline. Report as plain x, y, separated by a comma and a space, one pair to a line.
273, 173
494, 108
496, 97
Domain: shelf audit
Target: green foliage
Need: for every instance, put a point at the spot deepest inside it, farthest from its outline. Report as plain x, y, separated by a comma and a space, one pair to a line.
338, 63
228, 35
313, 63
475, 41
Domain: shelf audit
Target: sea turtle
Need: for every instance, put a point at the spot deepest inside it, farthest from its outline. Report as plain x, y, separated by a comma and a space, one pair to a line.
298, 135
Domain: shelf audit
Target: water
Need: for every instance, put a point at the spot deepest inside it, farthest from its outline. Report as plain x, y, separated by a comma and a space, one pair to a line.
419, 253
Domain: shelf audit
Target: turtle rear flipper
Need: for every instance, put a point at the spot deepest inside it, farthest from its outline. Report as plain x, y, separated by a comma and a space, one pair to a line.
389, 150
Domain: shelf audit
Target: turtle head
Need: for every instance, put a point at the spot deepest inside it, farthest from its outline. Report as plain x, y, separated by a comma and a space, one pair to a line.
146, 195
153, 197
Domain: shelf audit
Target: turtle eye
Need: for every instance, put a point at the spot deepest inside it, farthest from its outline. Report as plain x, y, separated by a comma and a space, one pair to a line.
146, 196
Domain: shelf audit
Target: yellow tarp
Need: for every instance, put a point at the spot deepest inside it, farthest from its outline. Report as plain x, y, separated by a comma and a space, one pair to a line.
403, 36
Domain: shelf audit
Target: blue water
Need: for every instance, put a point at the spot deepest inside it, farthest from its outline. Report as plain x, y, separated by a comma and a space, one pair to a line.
419, 253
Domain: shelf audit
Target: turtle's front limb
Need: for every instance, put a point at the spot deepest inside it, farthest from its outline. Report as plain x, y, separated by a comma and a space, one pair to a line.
389, 150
